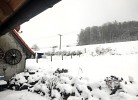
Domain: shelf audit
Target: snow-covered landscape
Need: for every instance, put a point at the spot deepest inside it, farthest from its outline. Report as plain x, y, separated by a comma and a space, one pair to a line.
101, 72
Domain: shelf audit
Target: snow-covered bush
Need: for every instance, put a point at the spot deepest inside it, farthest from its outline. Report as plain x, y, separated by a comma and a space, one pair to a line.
103, 51
113, 83
52, 85
79, 52
58, 53
24, 80
61, 71
59, 85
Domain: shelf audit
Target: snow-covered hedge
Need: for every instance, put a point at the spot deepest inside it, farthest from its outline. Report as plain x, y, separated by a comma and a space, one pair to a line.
64, 52
58, 85
104, 51
96, 51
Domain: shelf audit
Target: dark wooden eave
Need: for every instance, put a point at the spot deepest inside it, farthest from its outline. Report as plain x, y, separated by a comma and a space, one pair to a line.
22, 43
28, 10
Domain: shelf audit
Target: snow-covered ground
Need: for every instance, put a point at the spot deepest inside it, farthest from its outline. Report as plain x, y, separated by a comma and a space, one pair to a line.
19, 95
94, 69
123, 64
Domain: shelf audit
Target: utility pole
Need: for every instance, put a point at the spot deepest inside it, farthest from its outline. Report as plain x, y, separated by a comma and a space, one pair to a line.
60, 41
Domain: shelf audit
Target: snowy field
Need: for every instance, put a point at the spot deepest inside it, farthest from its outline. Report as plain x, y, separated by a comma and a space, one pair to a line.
87, 71
95, 68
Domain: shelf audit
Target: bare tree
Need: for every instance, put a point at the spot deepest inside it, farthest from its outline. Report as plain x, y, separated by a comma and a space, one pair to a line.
35, 47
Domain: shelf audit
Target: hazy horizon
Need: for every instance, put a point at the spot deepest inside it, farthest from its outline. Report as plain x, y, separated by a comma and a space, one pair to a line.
68, 17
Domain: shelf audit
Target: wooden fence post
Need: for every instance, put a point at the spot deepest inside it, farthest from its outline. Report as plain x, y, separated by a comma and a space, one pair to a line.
36, 57
71, 56
51, 58
62, 56
85, 50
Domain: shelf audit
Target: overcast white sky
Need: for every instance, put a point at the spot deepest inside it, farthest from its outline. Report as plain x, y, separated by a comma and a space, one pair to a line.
68, 17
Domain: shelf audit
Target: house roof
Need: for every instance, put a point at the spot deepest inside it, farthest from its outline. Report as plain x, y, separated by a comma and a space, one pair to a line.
25, 47
15, 12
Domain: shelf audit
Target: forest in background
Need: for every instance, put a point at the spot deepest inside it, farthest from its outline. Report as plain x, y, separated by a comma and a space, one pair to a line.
109, 32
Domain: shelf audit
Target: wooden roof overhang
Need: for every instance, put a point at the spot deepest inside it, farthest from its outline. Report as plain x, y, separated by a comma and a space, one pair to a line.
24, 46
15, 12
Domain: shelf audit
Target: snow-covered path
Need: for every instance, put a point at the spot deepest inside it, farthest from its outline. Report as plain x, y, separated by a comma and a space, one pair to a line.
19, 95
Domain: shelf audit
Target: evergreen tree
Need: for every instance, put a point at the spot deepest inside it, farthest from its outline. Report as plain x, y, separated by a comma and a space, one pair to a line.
109, 32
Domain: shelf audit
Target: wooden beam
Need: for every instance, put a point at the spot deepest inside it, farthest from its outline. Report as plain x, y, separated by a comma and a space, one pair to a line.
2, 16
6, 9
30, 9
16, 4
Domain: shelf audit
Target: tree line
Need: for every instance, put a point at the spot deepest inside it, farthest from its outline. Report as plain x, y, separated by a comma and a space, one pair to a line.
109, 32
